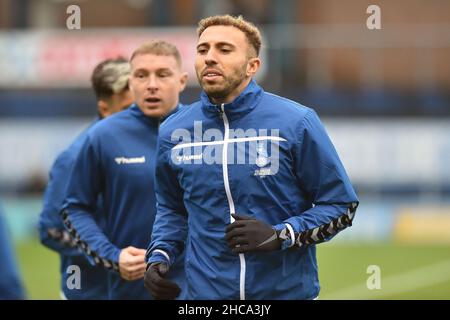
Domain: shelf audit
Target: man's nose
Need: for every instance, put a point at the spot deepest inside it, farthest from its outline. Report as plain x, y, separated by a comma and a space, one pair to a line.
152, 83
211, 57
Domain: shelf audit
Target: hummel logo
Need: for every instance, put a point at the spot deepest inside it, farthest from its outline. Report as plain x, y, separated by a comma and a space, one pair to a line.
123, 160
190, 157
263, 172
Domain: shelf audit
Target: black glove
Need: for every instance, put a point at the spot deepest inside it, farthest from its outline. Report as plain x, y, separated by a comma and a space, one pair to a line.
248, 234
63, 237
160, 288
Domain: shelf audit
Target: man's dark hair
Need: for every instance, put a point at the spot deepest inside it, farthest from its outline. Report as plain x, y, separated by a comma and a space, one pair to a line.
110, 77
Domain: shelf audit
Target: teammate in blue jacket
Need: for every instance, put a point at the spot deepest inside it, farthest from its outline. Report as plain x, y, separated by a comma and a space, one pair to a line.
110, 83
251, 179
116, 163
11, 287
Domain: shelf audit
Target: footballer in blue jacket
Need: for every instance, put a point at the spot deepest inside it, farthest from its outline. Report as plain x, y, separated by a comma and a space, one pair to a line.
247, 182
11, 287
116, 164
79, 279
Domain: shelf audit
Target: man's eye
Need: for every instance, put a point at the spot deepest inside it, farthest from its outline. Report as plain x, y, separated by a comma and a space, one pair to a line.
201, 51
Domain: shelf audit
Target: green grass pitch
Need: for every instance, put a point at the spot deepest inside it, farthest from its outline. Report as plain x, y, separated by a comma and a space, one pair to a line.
407, 271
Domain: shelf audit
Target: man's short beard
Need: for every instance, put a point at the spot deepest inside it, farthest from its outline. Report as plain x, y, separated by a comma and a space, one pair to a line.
223, 91
220, 93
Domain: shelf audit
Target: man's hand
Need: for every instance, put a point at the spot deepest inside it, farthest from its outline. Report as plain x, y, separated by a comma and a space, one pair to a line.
248, 234
160, 288
132, 263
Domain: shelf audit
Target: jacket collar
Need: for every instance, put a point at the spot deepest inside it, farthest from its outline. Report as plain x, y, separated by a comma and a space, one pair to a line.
135, 111
171, 113
243, 104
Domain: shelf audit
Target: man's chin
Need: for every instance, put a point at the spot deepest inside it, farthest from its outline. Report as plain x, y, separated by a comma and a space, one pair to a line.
214, 91
152, 111
209, 85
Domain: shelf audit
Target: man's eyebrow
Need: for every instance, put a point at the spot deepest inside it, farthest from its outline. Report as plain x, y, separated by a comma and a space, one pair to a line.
219, 44
203, 44
164, 70
140, 70
223, 43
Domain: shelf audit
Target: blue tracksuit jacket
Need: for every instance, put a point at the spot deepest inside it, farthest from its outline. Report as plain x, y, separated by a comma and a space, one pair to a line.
263, 156
11, 287
93, 281
116, 162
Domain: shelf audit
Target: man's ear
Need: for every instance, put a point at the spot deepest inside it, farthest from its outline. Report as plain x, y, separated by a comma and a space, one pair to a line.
183, 81
103, 108
253, 66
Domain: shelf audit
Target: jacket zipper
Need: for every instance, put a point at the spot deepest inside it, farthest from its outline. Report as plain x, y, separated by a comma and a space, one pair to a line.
229, 197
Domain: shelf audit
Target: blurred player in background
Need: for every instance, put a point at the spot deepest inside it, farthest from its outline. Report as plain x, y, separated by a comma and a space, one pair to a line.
110, 83
253, 226
116, 163
10, 283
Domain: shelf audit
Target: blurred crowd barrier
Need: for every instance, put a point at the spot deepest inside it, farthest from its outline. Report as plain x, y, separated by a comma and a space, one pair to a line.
342, 69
